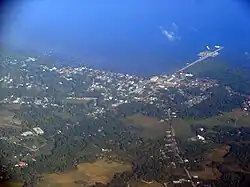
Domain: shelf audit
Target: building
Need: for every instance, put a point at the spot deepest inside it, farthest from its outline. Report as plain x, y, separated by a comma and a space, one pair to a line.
200, 137
189, 75
22, 164
154, 79
27, 133
177, 182
38, 130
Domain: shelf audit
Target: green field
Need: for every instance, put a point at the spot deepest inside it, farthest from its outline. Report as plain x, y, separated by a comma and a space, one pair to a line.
82, 100
183, 126
149, 126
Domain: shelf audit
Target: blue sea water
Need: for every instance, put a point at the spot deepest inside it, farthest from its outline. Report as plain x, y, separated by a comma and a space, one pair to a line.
126, 36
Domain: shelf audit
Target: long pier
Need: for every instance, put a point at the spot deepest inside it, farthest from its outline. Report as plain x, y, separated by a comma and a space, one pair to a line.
199, 60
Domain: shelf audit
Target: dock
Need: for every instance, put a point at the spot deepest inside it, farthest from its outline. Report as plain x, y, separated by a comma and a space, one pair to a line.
200, 59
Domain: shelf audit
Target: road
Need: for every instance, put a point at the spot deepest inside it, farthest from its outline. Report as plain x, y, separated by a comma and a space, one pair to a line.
199, 60
178, 154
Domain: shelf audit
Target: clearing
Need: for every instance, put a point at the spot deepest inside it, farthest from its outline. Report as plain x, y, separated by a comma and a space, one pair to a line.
211, 172
183, 129
149, 126
87, 174
80, 100
141, 184
7, 120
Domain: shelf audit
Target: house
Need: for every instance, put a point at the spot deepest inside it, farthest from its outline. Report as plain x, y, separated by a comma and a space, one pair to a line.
38, 130
22, 164
200, 137
176, 182
27, 133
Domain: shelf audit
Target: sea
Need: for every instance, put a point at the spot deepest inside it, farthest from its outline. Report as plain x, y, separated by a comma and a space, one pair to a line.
142, 37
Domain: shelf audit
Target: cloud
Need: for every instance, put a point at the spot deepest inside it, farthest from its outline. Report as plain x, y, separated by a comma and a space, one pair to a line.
171, 34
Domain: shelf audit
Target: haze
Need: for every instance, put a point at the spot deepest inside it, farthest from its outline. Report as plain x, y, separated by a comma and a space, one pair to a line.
126, 35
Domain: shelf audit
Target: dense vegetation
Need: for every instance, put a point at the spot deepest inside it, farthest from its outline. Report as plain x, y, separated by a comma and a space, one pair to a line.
238, 78
220, 101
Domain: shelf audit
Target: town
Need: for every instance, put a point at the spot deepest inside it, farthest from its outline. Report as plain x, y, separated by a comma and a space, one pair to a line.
42, 102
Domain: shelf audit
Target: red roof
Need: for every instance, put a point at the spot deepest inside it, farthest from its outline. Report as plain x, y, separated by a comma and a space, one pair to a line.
22, 164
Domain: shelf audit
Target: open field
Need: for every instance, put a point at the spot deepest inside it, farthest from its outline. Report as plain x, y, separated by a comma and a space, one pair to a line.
7, 119
82, 100
210, 172
153, 127
13, 106
227, 119
182, 126
86, 174
11, 184
5, 116
217, 155
141, 184
150, 127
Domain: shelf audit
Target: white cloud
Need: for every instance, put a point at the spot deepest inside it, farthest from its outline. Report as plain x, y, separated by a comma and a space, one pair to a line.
171, 34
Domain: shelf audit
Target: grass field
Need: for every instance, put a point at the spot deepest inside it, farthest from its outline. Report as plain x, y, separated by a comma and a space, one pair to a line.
9, 125
141, 184
7, 119
217, 155
182, 126
150, 127
11, 184
82, 100
212, 173
86, 174
153, 127
243, 119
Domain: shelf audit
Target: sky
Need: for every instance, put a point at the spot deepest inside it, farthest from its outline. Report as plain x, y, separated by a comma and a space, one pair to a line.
142, 36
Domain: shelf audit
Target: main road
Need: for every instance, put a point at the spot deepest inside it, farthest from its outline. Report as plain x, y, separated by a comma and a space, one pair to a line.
178, 155
199, 60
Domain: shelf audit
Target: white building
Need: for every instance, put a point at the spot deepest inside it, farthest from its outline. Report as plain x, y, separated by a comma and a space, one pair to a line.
201, 129
27, 133
154, 79
18, 100
189, 75
201, 137
38, 130
176, 182
106, 150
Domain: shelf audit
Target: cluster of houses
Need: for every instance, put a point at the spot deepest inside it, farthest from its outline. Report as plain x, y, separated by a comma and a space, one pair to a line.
37, 131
